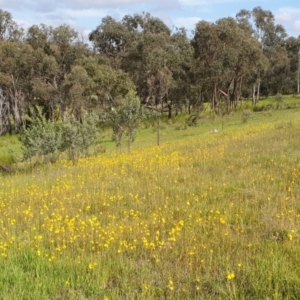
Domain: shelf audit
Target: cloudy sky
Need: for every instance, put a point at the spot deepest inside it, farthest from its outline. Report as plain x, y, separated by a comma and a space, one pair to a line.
85, 15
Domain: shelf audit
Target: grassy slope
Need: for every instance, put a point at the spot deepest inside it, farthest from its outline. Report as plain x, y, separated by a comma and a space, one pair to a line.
204, 216
10, 148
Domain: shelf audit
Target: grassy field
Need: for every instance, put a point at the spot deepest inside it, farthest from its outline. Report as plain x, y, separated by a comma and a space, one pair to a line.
203, 216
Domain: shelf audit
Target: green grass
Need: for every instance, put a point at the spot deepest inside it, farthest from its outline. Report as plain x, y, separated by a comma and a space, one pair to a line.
203, 216
174, 129
10, 150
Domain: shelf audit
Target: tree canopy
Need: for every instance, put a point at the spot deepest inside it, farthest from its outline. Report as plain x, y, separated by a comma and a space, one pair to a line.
222, 62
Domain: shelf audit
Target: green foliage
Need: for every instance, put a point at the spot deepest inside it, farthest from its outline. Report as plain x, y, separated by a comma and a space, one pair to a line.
125, 119
232, 237
263, 107
78, 135
52, 67
46, 138
6, 159
192, 120
278, 100
246, 115
42, 137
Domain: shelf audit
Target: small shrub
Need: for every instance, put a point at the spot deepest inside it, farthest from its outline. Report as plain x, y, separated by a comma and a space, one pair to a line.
192, 120
8, 158
161, 127
41, 138
246, 106
148, 123
246, 115
268, 107
278, 100
258, 108
284, 125
268, 113
99, 149
125, 119
181, 126
47, 139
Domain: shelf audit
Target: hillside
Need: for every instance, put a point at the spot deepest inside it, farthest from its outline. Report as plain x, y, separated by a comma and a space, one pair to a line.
204, 216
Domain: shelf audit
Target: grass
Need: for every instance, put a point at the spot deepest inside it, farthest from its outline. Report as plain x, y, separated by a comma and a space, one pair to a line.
10, 148
174, 129
204, 216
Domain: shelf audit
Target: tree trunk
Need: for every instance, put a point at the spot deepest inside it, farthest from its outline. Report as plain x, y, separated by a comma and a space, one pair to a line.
189, 107
17, 118
16, 98
258, 89
214, 98
5, 125
129, 144
233, 94
239, 91
169, 110
253, 94
157, 129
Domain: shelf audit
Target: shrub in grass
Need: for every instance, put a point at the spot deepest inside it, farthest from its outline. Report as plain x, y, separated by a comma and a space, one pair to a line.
125, 119
278, 100
7, 159
192, 120
42, 137
258, 108
77, 136
46, 138
246, 115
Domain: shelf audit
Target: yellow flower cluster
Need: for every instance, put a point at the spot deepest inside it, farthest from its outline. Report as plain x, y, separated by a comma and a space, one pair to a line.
189, 203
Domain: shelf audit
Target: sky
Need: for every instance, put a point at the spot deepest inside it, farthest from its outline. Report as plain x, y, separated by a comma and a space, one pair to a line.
86, 15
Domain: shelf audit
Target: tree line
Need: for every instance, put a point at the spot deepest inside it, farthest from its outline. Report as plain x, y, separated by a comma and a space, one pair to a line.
248, 56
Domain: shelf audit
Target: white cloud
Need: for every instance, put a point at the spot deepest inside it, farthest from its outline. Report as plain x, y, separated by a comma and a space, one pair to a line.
23, 23
289, 17
87, 14
290, 10
55, 22
284, 17
193, 2
48, 6
105, 3
213, 2
84, 13
297, 25
188, 22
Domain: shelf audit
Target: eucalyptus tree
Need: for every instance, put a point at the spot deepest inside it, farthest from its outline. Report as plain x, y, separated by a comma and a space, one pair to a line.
143, 47
110, 39
158, 62
5, 125
16, 73
277, 75
125, 119
46, 90
65, 47
182, 94
77, 82
58, 74
271, 37
151, 72
9, 30
225, 55
38, 37
206, 64
108, 86
292, 46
